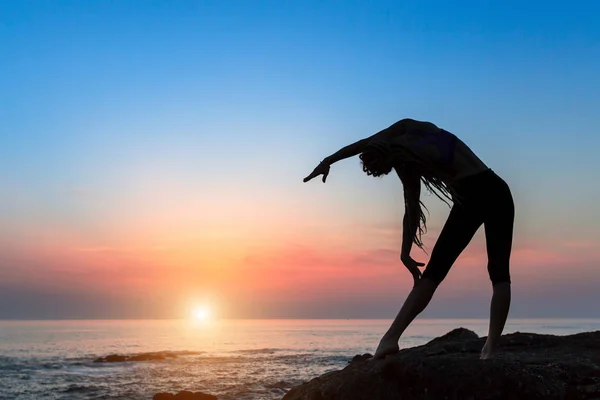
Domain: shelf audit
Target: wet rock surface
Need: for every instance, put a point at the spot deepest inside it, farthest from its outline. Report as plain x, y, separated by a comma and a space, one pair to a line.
113, 358
184, 395
527, 366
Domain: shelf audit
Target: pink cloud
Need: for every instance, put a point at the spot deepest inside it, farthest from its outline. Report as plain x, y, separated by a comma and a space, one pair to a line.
290, 271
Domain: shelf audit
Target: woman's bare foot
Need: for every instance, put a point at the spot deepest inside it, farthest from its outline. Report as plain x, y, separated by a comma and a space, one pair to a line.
386, 347
487, 352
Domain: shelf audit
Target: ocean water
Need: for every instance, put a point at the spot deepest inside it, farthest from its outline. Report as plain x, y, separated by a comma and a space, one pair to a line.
233, 359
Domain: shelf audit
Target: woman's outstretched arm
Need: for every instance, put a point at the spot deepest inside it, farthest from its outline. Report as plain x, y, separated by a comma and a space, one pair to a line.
351, 150
357, 147
345, 152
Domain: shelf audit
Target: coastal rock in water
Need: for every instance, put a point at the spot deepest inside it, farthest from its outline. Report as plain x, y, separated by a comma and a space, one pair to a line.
527, 366
184, 395
111, 358
138, 357
141, 357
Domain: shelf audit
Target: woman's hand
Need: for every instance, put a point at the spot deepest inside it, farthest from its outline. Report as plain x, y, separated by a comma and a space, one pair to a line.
322, 168
413, 267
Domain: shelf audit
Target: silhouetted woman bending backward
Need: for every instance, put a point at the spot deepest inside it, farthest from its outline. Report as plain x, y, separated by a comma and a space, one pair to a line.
421, 152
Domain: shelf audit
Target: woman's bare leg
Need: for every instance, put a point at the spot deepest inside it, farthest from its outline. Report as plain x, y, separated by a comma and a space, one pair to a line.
415, 303
498, 314
499, 224
454, 237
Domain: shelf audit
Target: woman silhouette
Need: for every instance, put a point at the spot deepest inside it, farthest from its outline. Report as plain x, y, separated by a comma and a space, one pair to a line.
420, 152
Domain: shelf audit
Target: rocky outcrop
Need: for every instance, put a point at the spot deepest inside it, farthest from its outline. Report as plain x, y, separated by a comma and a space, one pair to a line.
142, 356
184, 395
528, 366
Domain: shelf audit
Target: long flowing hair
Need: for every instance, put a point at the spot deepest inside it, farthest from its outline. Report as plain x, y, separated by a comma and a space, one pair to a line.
433, 178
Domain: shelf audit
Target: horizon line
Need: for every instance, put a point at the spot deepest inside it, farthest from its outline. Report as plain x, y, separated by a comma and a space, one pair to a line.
294, 319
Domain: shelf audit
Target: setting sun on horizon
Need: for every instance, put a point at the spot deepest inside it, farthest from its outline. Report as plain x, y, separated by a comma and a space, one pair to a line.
201, 313
151, 153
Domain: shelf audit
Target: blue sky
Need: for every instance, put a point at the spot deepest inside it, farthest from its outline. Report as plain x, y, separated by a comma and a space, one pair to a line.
110, 111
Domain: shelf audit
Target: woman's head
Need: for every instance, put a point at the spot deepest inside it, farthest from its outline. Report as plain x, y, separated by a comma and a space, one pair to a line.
377, 158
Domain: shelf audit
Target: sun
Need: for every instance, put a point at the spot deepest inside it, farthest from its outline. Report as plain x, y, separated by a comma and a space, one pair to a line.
201, 313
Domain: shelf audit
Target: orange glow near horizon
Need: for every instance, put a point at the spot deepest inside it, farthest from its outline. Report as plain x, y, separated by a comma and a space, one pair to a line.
193, 268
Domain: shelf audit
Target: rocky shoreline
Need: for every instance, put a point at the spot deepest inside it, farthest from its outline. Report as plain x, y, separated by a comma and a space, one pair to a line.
528, 366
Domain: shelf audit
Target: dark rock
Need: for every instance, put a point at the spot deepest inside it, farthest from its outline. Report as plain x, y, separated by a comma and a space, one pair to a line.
456, 335
527, 366
163, 396
149, 357
184, 395
359, 357
112, 358
141, 357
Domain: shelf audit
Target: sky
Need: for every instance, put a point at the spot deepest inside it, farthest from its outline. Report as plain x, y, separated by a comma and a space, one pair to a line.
152, 154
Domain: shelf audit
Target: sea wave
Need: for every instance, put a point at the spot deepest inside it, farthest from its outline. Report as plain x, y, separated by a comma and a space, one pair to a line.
261, 361
254, 374
258, 351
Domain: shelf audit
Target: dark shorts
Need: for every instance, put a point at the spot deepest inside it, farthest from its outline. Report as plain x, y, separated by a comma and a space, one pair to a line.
485, 199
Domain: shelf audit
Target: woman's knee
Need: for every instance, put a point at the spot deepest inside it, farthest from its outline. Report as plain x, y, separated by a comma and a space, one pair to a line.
499, 273
435, 273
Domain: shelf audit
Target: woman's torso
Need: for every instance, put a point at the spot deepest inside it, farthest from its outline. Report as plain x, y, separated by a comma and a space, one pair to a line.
442, 152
